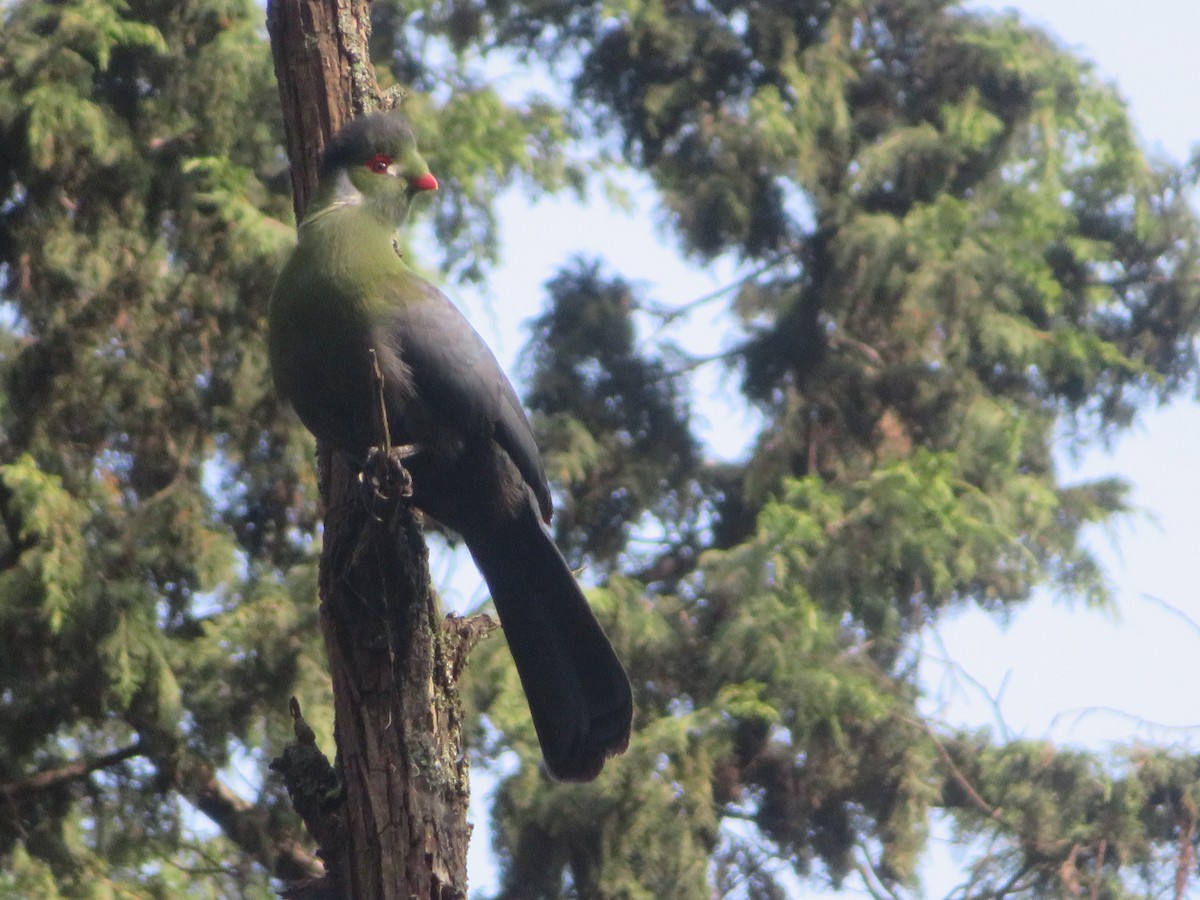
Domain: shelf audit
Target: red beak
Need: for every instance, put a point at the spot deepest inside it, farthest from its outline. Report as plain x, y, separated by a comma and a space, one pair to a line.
425, 182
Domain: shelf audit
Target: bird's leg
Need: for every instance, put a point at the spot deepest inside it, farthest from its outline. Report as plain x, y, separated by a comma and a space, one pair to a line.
380, 409
383, 471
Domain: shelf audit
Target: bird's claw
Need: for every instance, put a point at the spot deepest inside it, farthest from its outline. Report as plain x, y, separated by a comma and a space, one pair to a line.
384, 474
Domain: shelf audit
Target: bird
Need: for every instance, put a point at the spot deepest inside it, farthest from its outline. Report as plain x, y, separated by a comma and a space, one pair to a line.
346, 309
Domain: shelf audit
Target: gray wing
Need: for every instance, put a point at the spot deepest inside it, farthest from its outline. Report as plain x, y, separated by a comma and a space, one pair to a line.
454, 371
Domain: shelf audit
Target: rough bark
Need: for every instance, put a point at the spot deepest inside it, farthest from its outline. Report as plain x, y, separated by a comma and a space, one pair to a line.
325, 77
390, 817
398, 721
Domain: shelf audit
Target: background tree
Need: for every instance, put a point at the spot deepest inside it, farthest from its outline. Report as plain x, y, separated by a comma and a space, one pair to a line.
957, 255
157, 592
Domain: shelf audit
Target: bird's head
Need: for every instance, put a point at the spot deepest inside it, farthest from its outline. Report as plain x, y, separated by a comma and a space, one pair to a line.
374, 161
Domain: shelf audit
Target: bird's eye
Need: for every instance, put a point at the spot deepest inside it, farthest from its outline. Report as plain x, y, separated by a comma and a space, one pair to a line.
379, 163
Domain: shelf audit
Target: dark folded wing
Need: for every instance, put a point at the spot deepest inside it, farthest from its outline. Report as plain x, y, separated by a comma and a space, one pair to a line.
455, 372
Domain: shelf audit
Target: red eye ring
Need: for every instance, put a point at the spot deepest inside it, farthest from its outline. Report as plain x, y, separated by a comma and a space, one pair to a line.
379, 163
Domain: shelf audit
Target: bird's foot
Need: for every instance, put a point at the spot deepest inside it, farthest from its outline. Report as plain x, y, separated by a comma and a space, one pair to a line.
383, 476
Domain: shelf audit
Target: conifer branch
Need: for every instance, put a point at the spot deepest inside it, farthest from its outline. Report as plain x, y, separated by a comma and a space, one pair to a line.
72, 771
956, 774
246, 824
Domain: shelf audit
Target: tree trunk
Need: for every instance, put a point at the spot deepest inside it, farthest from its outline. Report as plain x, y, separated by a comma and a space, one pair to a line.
323, 66
391, 819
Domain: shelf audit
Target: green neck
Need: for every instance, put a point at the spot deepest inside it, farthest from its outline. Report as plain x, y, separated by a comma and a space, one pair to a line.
337, 191
352, 253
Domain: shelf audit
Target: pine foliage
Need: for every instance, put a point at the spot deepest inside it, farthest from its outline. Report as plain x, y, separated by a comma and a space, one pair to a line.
957, 260
157, 555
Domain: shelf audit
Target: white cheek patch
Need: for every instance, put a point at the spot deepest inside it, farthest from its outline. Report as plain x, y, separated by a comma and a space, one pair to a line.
393, 170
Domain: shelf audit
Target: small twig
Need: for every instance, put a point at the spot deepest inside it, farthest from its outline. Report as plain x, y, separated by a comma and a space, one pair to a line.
698, 362
1080, 713
464, 633
979, 875
837, 339
381, 422
1013, 883
300, 727
1098, 874
956, 773
958, 671
667, 316
1068, 871
874, 884
317, 796
1173, 610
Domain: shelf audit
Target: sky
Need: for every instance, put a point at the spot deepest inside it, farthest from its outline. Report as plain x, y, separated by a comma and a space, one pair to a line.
1055, 670
1072, 675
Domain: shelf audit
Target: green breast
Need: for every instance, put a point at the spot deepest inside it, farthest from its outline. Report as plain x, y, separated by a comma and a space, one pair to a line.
339, 282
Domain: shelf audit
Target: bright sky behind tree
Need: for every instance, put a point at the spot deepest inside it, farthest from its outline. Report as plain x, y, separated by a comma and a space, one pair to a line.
1065, 660
1056, 670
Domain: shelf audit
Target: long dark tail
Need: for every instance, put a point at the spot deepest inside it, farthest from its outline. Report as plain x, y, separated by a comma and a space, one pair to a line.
578, 693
